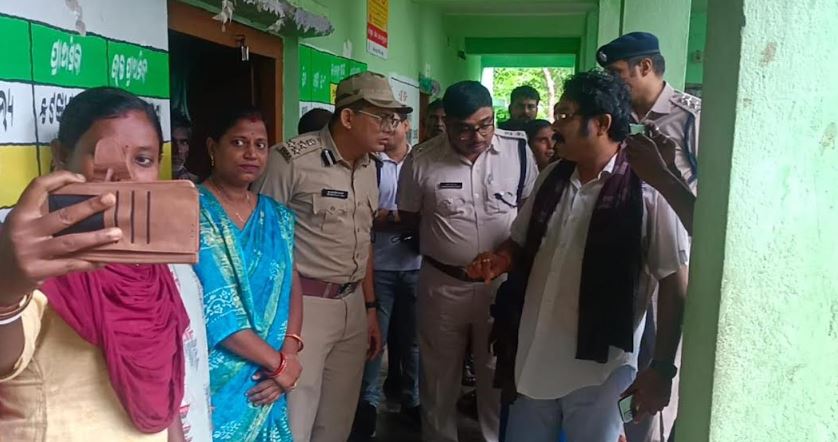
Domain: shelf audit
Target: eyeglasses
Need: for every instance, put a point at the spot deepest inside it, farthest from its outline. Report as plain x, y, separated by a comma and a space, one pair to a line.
564, 116
466, 132
386, 123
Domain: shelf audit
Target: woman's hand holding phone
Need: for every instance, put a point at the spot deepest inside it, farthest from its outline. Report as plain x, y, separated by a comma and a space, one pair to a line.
30, 251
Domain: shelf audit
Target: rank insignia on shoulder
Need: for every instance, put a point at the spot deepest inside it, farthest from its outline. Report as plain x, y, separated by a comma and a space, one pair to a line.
284, 152
687, 102
297, 147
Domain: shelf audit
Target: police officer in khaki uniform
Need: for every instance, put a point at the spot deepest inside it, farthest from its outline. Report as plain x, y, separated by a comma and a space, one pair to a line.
462, 190
328, 178
636, 58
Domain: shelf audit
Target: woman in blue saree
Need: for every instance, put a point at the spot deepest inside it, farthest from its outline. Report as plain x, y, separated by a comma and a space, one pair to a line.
252, 303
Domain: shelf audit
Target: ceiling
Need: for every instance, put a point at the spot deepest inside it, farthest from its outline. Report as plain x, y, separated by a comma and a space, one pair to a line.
512, 7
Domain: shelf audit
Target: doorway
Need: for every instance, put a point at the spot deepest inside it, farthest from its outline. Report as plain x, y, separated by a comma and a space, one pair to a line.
213, 69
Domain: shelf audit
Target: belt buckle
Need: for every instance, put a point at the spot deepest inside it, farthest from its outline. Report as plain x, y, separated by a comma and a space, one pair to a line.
343, 288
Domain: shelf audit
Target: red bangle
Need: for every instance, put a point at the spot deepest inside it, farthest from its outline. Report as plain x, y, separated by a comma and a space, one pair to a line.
282, 364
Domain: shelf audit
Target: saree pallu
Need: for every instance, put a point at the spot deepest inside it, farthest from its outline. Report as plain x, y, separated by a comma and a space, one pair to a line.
246, 274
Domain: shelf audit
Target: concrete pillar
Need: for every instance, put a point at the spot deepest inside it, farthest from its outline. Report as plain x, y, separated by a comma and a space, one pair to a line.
587, 55
610, 21
670, 21
761, 339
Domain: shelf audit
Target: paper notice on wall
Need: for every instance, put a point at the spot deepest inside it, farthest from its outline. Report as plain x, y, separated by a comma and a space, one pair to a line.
378, 15
406, 90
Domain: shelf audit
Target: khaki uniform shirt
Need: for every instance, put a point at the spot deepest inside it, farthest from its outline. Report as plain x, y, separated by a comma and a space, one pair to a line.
678, 116
466, 208
334, 204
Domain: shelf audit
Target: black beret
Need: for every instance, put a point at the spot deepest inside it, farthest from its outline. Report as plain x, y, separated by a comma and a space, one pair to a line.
628, 46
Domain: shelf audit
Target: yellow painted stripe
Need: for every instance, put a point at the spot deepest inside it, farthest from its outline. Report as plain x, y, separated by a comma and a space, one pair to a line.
46, 159
18, 166
166, 162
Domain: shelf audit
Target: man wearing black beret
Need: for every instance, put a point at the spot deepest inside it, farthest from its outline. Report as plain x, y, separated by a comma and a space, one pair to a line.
665, 157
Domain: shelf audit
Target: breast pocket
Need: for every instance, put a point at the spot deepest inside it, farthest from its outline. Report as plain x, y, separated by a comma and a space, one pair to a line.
501, 197
449, 203
330, 212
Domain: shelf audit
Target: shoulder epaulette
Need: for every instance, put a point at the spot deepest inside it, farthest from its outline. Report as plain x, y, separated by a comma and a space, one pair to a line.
428, 145
686, 101
297, 147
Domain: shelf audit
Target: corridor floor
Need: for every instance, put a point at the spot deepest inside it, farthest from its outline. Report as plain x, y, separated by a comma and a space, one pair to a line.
393, 427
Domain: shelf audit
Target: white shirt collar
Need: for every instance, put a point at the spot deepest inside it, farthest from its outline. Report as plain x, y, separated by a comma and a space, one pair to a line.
384, 157
605, 172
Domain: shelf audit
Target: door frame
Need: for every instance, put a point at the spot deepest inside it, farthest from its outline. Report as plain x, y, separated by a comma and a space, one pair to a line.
199, 23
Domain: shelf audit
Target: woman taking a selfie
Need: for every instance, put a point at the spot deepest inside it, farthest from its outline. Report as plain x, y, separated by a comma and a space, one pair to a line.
252, 300
92, 351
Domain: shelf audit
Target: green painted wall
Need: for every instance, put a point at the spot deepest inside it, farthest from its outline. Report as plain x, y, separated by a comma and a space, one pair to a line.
610, 21
291, 83
570, 25
528, 61
761, 338
696, 43
437, 50
418, 44
669, 20
587, 56
569, 28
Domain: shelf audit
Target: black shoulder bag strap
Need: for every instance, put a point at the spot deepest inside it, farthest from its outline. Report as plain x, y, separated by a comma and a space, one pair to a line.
522, 158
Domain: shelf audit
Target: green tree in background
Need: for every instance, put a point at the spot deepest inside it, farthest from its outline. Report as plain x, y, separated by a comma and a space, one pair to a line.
547, 81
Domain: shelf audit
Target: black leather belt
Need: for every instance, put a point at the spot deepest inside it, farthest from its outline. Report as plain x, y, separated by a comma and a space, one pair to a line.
452, 271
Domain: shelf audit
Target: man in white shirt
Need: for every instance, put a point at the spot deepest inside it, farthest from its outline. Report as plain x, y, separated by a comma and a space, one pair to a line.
462, 190
589, 250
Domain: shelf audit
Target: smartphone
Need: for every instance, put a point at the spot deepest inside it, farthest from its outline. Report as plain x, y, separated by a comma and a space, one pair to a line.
637, 129
159, 220
626, 410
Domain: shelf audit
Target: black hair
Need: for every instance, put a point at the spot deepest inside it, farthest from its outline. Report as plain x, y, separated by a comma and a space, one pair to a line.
228, 117
533, 126
658, 63
465, 98
525, 92
100, 103
314, 120
598, 93
434, 105
514, 125
180, 120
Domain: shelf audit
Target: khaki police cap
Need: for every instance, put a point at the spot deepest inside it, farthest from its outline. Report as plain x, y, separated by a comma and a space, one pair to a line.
370, 87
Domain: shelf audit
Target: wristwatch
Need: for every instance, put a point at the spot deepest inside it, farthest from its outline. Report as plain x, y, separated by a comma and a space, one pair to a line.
373, 304
666, 369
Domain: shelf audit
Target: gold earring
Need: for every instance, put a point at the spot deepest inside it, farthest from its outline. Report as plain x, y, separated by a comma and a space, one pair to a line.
212, 161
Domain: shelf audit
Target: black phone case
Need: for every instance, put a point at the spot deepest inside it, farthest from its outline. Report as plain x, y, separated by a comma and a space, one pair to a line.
90, 224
